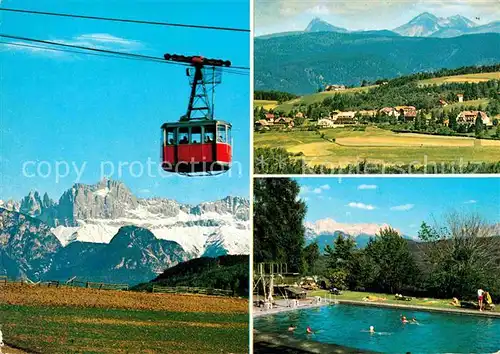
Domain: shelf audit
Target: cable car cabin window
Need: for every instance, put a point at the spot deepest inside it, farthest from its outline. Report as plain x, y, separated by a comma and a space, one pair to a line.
170, 136
183, 136
195, 135
229, 141
209, 134
221, 134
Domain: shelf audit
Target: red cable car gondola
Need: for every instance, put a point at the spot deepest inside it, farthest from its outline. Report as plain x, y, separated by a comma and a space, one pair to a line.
198, 144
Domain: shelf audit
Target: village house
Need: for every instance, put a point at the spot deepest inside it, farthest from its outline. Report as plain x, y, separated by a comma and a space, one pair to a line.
368, 113
262, 124
408, 112
348, 117
389, 111
284, 122
460, 97
270, 117
443, 103
469, 118
299, 115
326, 123
335, 88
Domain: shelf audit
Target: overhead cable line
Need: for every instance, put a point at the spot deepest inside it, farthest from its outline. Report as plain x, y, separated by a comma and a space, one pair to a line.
114, 54
218, 28
25, 45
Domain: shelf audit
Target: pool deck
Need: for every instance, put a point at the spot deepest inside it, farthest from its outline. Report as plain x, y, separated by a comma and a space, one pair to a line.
308, 303
271, 343
283, 307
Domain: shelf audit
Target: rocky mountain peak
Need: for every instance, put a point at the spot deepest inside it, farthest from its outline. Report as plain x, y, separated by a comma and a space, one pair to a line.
106, 199
10, 205
236, 206
132, 236
319, 25
31, 204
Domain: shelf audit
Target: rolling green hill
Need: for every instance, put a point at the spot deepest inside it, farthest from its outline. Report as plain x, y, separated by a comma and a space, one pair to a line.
228, 272
301, 63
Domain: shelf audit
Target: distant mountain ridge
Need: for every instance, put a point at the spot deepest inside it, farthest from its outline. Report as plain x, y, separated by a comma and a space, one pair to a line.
423, 25
326, 231
309, 61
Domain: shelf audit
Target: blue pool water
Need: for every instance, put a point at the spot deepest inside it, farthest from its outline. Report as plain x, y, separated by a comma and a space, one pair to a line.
348, 325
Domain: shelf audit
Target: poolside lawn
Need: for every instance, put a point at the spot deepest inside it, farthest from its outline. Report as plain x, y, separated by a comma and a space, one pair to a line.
358, 296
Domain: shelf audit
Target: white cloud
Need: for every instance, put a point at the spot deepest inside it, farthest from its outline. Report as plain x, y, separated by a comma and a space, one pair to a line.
472, 201
367, 186
318, 190
91, 40
363, 206
402, 207
305, 190
319, 10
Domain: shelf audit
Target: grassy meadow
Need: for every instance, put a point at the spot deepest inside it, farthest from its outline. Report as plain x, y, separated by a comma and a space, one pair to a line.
50, 320
376, 145
318, 97
472, 78
389, 299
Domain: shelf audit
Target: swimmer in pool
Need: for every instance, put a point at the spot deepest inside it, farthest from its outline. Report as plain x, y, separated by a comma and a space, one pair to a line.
414, 320
292, 328
404, 320
309, 330
372, 329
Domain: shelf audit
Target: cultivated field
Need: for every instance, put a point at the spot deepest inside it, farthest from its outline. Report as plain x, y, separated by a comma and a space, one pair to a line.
379, 146
318, 97
472, 78
267, 104
76, 320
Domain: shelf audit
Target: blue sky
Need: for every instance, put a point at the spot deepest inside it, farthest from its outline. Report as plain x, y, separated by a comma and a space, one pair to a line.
402, 203
273, 16
77, 108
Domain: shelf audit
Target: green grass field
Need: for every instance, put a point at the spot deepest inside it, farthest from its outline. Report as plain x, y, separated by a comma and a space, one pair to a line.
318, 97
358, 296
483, 102
97, 330
472, 78
379, 146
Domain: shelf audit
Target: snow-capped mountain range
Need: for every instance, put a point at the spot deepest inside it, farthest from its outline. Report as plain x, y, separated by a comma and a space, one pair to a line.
423, 25
329, 226
104, 232
325, 231
95, 213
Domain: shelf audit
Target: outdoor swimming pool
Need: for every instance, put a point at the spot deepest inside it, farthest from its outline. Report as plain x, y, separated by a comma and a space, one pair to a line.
348, 325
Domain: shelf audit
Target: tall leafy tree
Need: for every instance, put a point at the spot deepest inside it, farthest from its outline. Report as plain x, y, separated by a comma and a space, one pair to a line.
390, 253
461, 253
279, 222
311, 256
